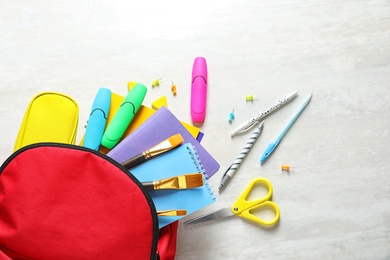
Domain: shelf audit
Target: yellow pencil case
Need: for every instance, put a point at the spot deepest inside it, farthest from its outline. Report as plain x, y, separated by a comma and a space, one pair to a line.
50, 117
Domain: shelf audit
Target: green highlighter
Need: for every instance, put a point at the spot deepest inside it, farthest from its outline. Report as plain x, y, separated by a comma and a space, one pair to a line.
124, 115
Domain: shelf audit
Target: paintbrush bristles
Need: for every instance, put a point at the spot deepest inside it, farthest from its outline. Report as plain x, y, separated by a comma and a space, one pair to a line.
174, 212
186, 181
181, 212
191, 180
165, 145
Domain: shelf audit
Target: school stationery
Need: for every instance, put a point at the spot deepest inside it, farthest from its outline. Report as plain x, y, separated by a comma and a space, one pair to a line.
249, 124
124, 115
246, 209
97, 119
142, 115
272, 146
50, 117
181, 160
185, 181
199, 89
166, 145
240, 158
158, 127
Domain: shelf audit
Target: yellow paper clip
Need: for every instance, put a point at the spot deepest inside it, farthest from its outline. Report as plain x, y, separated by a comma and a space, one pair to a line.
156, 83
251, 98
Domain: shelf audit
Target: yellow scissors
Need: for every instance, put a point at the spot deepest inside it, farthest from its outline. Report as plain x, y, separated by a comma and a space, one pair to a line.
244, 208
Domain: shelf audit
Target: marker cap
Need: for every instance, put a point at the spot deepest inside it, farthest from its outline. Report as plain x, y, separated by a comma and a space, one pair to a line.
199, 90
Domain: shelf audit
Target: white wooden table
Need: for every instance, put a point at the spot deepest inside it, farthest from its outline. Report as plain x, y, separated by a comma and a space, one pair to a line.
335, 203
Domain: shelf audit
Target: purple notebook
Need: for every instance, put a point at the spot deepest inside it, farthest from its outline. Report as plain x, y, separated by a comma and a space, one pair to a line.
160, 126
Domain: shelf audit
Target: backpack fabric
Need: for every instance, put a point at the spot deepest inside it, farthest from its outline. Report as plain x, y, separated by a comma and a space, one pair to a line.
61, 201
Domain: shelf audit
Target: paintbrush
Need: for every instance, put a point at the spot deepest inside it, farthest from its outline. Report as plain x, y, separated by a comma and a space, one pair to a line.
164, 146
171, 213
185, 181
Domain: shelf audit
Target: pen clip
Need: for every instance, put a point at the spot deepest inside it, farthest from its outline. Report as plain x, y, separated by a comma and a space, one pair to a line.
247, 127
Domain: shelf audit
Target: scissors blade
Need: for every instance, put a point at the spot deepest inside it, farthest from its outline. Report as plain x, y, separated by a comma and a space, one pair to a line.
222, 213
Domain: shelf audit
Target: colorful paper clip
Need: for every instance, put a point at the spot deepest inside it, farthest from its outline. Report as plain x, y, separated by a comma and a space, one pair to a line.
156, 83
173, 88
231, 116
286, 167
250, 98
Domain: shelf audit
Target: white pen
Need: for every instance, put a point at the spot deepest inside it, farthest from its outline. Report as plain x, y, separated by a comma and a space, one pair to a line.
249, 124
244, 152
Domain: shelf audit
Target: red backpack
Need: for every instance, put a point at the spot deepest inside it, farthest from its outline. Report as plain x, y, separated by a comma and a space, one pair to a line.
61, 201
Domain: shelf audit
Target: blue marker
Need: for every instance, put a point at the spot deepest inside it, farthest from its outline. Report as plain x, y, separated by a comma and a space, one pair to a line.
275, 143
97, 119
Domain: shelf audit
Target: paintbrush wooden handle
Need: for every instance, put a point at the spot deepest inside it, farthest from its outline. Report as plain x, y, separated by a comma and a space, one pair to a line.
136, 160
148, 185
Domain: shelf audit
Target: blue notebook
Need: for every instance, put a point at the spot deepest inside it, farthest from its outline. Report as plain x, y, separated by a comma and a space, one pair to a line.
181, 160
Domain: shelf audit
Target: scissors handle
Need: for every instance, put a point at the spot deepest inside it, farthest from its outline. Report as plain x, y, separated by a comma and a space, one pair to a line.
244, 208
247, 214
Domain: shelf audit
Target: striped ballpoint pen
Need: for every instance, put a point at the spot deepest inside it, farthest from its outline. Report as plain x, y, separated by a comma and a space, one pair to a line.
233, 168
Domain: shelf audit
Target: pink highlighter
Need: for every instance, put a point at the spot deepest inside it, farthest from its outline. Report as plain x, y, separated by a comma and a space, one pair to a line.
199, 90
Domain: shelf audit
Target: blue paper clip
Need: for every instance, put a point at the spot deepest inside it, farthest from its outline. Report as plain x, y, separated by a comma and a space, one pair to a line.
231, 116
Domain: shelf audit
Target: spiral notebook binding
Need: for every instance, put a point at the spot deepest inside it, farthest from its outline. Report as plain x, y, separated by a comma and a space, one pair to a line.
195, 158
210, 190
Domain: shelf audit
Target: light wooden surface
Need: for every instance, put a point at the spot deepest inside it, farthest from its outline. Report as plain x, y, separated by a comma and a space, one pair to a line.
335, 203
